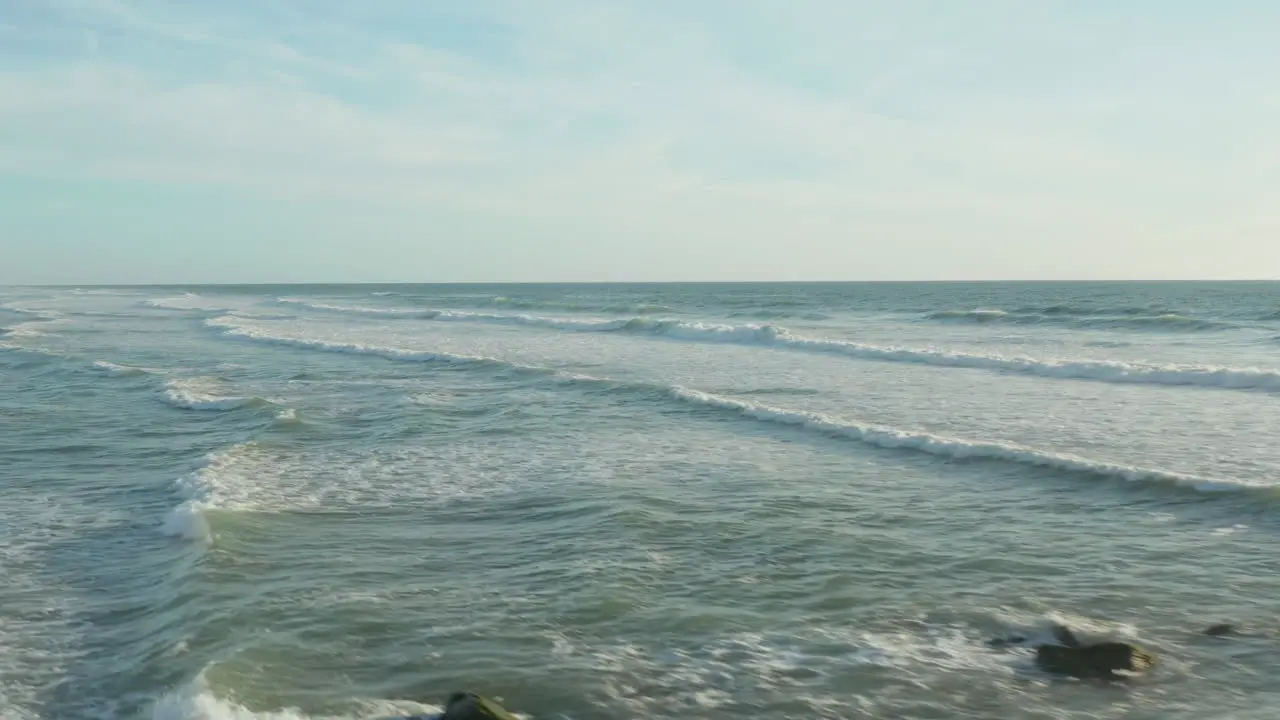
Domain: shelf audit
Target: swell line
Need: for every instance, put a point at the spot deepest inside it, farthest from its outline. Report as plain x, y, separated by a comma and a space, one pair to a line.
1108, 371
954, 448
867, 433
230, 328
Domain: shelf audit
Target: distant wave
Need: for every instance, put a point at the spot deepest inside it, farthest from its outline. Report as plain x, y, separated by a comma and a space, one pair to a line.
114, 369
880, 436
1089, 311
27, 329
20, 310
1170, 322
201, 393
641, 308
349, 309
186, 301
1110, 371
956, 449
778, 315
34, 328
979, 315
230, 328
606, 308
36, 321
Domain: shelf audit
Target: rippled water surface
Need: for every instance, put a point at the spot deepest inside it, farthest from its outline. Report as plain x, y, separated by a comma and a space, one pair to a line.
635, 501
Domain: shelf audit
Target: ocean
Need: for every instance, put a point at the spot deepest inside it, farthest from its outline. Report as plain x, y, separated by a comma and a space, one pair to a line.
636, 501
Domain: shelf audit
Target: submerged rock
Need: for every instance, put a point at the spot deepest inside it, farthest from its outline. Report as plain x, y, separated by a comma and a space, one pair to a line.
1103, 660
470, 706
464, 706
1220, 630
1067, 655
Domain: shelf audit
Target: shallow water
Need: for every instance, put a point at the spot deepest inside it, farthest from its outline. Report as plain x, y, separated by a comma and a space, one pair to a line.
635, 500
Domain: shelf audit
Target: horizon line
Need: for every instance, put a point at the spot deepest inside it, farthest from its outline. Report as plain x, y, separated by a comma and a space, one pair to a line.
641, 282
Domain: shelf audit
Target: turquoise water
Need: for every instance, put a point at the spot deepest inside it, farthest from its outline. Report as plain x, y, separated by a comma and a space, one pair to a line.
635, 500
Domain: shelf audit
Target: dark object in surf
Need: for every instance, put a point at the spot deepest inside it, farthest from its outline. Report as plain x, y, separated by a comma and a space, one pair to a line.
470, 706
1102, 660
1066, 655
1220, 630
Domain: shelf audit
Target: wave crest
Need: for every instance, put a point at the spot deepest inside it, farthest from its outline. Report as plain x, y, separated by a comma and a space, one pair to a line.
201, 393
1166, 321
879, 436
1110, 371
953, 448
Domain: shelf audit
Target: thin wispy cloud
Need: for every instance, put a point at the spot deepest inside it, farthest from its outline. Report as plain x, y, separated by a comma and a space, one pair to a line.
819, 138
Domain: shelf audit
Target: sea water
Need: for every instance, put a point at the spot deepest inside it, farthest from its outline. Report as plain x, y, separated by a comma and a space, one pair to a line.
636, 501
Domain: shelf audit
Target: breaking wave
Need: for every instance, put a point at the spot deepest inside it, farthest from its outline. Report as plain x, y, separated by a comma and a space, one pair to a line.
202, 490
608, 309
202, 393
953, 448
349, 309
868, 433
199, 701
1110, 371
186, 301
230, 328
114, 369
35, 324
1168, 321
641, 308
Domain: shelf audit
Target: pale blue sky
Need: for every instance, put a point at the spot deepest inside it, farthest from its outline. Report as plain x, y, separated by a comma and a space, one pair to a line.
562, 140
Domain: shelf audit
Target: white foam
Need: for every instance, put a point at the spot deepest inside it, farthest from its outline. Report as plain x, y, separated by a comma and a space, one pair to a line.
1231, 530
351, 309
196, 701
186, 301
880, 436
231, 328
1111, 371
27, 329
24, 310
115, 369
187, 521
955, 448
978, 315
747, 668
35, 328
223, 482
1042, 627
252, 478
201, 393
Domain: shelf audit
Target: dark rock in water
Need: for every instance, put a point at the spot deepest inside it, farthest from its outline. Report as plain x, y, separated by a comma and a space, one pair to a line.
470, 706
1220, 630
1097, 660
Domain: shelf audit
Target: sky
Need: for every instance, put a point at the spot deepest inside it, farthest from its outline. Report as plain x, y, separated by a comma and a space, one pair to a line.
153, 141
